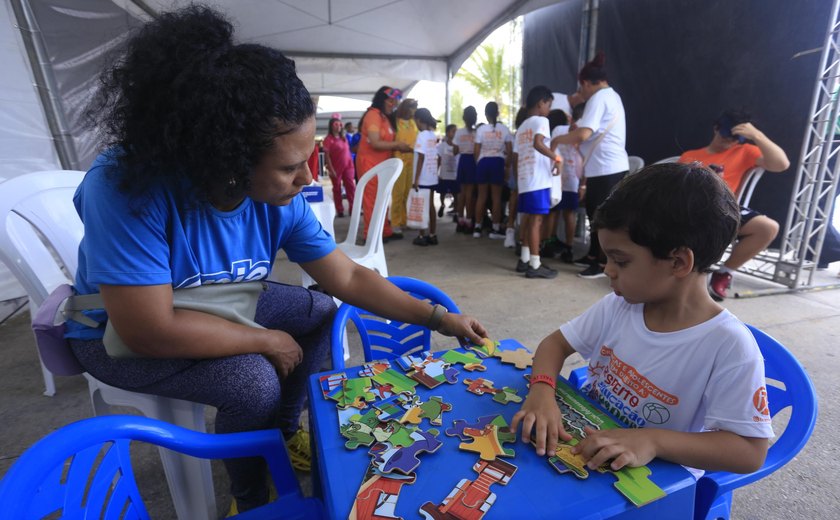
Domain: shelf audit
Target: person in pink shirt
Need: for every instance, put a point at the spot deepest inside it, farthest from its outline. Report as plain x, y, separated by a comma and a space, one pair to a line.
339, 165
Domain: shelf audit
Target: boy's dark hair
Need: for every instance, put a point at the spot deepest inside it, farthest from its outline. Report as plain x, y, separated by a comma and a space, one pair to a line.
186, 105
557, 118
451, 127
732, 117
537, 94
667, 206
577, 111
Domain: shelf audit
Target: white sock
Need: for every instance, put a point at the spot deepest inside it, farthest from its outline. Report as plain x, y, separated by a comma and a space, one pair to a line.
497, 227
525, 254
535, 262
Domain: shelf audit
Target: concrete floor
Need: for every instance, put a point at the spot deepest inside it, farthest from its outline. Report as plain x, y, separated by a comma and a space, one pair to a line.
479, 276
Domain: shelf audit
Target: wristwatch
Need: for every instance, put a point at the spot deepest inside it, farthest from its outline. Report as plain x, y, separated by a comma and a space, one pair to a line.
437, 316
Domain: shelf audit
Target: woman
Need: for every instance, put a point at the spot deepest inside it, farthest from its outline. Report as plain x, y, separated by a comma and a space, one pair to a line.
406, 133
377, 144
213, 203
601, 133
339, 164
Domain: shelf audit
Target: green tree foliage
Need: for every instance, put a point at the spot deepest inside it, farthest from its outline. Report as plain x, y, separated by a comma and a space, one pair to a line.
494, 80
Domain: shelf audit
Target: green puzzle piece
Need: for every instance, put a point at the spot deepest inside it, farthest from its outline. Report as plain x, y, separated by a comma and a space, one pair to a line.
507, 395
357, 392
470, 361
398, 382
634, 484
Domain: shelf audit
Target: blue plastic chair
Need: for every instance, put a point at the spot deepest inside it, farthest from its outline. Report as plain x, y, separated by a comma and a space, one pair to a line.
383, 338
788, 385
83, 470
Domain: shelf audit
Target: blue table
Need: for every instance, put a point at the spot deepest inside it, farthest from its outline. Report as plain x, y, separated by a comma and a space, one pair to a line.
535, 491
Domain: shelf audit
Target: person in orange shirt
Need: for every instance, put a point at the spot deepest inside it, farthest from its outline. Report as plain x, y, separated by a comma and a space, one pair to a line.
731, 155
376, 145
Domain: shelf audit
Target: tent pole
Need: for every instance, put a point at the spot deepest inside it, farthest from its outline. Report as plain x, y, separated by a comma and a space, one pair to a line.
593, 29
583, 46
45, 84
446, 115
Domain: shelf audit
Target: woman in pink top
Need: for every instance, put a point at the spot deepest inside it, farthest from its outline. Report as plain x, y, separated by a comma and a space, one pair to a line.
339, 164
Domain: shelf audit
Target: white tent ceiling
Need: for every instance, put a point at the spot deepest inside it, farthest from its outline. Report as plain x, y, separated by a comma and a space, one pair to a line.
352, 47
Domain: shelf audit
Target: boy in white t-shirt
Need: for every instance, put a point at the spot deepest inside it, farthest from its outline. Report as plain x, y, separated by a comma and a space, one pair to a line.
447, 169
425, 170
533, 175
683, 373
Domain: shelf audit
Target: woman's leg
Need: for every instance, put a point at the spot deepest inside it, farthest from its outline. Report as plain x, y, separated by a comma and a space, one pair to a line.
348, 178
399, 198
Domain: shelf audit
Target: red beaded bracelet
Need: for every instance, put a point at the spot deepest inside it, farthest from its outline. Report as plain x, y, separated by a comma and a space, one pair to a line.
542, 378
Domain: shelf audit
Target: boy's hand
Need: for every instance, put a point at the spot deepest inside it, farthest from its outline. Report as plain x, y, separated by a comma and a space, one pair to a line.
632, 447
541, 414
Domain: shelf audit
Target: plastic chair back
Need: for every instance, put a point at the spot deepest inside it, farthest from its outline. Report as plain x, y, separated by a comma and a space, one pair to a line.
788, 385
636, 164
382, 338
83, 470
748, 184
675, 158
372, 254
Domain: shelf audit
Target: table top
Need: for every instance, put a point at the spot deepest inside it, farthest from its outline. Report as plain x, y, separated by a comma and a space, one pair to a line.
536, 490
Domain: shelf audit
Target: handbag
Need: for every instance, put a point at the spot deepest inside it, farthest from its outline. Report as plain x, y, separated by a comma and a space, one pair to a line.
236, 302
417, 209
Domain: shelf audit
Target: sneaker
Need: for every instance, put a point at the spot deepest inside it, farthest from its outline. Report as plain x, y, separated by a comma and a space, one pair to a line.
477, 232
595, 270
584, 261
521, 266
543, 271
433, 241
510, 238
495, 235
719, 284
300, 450
420, 241
566, 255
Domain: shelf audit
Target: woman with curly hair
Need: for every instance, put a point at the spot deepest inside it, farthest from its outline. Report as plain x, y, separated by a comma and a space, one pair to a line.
206, 147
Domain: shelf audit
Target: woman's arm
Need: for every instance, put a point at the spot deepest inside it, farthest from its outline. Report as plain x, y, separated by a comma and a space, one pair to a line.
378, 144
328, 163
145, 320
365, 288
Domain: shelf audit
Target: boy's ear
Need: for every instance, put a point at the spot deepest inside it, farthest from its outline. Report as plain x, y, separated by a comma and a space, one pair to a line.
682, 259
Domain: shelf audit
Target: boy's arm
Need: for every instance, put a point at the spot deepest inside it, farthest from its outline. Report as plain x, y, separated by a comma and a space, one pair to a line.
539, 145
540, 411
418, 167
711, 451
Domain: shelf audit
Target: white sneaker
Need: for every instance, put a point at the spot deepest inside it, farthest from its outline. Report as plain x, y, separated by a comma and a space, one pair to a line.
477, 232
510, 238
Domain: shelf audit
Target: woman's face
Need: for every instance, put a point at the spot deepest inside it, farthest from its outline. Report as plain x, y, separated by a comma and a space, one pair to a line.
390, 105
283, 170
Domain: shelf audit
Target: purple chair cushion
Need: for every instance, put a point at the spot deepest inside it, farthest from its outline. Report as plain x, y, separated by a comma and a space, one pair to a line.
54, 350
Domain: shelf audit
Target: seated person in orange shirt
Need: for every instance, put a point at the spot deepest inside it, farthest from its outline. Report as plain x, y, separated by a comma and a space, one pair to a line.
731, 155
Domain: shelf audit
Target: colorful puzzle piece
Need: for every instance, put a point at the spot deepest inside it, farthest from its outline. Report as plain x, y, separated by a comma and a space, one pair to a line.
564, 461
468, 359
389, 458
357, 392
487, 442
359, 431
378, 494
397, 382
483, 386
470, 500
374, 367
459, 425
433, 410
393, 432
332, 386
486, 349
635, 484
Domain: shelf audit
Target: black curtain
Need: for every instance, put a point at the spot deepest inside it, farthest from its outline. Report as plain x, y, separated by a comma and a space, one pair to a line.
678, 63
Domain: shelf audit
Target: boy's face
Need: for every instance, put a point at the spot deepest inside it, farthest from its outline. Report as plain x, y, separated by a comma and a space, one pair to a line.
634, 273
544, 107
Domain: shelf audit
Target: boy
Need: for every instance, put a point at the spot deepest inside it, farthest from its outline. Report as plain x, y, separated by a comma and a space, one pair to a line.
533, 173
660, 341
448, 171
425, 170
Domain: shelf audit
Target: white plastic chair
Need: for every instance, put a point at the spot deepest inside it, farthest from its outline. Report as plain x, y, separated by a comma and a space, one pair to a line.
371, 254
636, 164
39, 206
675, 158
748, 184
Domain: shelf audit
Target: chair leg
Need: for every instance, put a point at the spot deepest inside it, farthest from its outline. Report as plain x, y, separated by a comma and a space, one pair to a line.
49, 381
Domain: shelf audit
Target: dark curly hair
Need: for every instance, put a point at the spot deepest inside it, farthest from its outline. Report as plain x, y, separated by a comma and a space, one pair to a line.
667, 206
186, 106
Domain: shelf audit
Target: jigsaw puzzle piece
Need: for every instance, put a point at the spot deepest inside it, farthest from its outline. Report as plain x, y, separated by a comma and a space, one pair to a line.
468, 359
471, 499
378, 494
389, 458
332, 386
487, 347
396, 381
459, 425
433, 410
564, 461
635, 484
374, 367
507, 395
486, 442
359, 429
412, 361
393, 432
521, 358
357, 392
480, 386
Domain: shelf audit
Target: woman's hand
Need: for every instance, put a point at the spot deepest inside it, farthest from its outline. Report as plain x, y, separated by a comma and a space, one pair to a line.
540, 414
283, 352
462, 326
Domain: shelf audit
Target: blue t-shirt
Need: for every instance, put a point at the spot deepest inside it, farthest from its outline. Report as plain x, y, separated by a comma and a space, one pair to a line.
163, 242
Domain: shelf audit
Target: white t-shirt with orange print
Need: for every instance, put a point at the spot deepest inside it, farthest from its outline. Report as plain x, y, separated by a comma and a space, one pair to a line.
706, 377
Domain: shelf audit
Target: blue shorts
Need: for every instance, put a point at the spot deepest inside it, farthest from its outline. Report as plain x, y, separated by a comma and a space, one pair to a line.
535, 202
466, 169
448, 186
490, 170
570, 200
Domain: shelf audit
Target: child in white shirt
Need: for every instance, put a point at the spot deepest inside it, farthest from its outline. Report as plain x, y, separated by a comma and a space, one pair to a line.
425, 170
659, 343
447, 168
571, 176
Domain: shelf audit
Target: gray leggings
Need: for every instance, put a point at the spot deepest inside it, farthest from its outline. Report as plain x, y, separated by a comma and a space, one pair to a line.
245, 389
